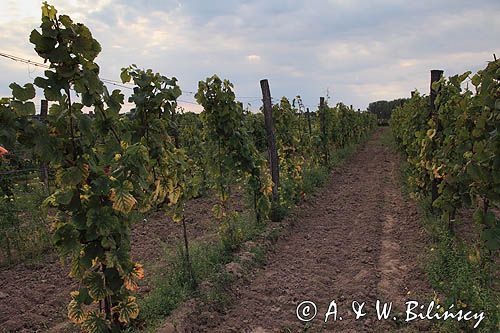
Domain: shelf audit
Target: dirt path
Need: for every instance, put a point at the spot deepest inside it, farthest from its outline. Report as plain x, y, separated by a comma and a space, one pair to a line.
357, 239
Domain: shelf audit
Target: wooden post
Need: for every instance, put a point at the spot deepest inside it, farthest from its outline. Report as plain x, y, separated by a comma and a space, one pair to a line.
308, 114
271, 140
44, 173
435, 76
322, 125
44, 109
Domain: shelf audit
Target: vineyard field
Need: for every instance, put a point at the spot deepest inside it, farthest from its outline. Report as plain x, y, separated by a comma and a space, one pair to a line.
121, 211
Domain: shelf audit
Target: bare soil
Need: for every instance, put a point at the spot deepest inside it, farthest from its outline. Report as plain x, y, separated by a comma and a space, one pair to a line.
357, 239
34, 294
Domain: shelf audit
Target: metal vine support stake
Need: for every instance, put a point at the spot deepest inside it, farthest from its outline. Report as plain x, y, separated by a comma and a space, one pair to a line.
436, 74
271, 139
44, 173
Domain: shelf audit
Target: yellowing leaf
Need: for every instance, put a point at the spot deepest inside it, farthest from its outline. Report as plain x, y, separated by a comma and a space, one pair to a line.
170, 185
122, 200
139, 271
77, 268
130, 280
95, 284
84, 197
48, 11
75, 311
436, 172
173, 196
85, 171
268, 190
159, 193
96, 323
127, 310
177, 218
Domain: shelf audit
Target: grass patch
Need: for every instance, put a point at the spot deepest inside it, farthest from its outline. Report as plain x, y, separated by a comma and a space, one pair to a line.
387, 139
24, 230
278, 212
171, 288
314, 178
455, 272
338, 156
259, 256
464, 283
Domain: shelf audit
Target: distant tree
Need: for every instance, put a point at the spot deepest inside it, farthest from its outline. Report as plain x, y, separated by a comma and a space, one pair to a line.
383, 109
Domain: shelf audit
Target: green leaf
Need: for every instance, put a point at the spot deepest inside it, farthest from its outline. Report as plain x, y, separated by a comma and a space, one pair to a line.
43, 44
23, 109
71, 176
473, 171
490, 219
492, 239
22, 93
113, 278
65, 20
108, 243
64, 197
476, 80
83, 296
125, 76
66, 238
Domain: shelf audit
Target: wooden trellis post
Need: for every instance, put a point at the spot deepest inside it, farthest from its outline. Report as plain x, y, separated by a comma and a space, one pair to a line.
322, 126
271, 140
308, 115
44, 173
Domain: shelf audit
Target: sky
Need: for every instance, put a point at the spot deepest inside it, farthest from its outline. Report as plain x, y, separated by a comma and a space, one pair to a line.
354, 51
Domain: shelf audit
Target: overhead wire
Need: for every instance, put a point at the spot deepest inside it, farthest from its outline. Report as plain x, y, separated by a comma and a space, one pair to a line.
105, 80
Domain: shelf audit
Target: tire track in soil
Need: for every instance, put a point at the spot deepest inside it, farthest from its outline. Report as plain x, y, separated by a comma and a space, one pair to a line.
357, 239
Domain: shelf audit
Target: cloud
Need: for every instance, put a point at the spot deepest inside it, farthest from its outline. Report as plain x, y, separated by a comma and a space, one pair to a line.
253, 58
360, 51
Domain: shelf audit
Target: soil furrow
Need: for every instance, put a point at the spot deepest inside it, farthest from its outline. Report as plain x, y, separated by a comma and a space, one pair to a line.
353, 241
